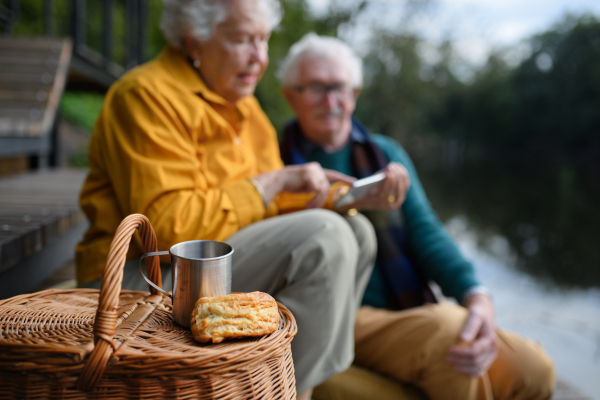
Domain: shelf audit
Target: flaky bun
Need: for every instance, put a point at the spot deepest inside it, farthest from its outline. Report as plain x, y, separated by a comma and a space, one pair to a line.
234, 316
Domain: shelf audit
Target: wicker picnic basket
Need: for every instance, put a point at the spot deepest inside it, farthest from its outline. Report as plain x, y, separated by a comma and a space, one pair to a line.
113, 344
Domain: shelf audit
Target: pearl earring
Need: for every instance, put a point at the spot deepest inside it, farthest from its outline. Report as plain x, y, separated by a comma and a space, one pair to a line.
196, 63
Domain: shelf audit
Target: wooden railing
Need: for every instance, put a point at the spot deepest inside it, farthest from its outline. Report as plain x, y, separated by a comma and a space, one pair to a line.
97, 65
8, 15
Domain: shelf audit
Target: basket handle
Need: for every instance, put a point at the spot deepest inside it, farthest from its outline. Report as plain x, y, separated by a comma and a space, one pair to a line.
112, 278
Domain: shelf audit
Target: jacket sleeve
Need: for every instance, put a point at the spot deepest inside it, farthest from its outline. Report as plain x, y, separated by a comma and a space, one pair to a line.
152, 160
431, 247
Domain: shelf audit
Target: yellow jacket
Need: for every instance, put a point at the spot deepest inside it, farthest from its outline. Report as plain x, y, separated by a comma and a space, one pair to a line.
167, 147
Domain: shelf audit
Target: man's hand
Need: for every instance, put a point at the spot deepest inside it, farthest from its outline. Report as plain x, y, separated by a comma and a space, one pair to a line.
478, 347
390, 194
310, 177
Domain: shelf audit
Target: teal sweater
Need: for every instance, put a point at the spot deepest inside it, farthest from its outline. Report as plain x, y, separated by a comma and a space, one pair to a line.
431, 249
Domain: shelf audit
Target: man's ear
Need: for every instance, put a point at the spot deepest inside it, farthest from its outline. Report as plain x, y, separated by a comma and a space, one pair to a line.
356, 92
289, 95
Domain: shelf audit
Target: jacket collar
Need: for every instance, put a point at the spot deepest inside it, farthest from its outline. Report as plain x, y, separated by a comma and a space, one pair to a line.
358, 134
180, 67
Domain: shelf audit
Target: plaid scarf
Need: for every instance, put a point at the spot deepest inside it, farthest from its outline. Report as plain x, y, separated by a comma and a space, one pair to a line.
404, 286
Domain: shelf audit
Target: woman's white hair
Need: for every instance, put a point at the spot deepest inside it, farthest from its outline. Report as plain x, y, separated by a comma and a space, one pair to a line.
313, 45
200, 17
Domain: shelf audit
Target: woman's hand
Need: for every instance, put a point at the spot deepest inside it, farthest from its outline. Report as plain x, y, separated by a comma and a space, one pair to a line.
390, 194
310, 177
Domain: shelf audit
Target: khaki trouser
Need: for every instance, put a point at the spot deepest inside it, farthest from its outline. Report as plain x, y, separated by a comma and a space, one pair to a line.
410, 346
317, 264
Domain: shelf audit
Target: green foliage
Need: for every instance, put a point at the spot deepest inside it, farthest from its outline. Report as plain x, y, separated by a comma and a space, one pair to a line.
79, 158
156, 39
31, 23
81, 108
547, 104
403, 93
482, 111
559, 106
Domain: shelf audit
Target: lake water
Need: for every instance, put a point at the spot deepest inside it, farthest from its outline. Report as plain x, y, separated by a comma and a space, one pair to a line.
533, 237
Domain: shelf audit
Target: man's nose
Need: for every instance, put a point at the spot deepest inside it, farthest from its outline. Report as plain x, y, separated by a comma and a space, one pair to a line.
331, 98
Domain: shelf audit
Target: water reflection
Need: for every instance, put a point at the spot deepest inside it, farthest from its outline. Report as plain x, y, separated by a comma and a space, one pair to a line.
565, 321
532, 235
549, 215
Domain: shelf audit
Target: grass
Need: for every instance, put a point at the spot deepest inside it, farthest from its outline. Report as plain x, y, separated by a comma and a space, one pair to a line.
81, 108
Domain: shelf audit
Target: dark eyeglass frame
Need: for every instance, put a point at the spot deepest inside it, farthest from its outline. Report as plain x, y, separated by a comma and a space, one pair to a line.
318, 91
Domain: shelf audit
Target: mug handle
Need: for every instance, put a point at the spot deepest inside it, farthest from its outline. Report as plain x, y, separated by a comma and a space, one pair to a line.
151, 254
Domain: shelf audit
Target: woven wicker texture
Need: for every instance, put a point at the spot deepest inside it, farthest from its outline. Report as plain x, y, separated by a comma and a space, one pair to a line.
112, 344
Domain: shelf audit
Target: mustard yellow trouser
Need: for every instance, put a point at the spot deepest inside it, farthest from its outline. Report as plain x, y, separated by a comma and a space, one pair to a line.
410, 346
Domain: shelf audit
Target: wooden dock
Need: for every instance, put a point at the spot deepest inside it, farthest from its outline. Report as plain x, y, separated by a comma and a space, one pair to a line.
564, 391
65, 279
40, 224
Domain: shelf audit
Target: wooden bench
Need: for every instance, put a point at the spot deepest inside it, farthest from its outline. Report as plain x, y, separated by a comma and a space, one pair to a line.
33, 72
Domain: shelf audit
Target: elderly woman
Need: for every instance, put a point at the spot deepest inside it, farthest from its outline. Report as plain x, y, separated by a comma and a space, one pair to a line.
182, 140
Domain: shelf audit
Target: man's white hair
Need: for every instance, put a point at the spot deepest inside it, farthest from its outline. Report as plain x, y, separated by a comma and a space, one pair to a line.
313, 45
200, 17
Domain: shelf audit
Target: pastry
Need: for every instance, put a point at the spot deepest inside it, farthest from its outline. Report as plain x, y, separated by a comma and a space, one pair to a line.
234, 316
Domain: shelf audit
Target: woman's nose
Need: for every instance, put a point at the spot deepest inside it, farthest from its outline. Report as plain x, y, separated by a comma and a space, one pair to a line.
258, 51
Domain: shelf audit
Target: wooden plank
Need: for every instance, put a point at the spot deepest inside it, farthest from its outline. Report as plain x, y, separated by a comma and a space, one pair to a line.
29, 273
16, 128
27, 95
30, 114
13, 165
26, 86
33, 43
29, 200
29, 59
35, 233
35, 198
25, 53
60, 80
37, 209
65, 180
10, 250
29, 234
29, 69
37, 69
52, 225
564, 391
45, 78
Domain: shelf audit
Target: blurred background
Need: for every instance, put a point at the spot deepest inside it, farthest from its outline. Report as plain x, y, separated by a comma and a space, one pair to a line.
497, 102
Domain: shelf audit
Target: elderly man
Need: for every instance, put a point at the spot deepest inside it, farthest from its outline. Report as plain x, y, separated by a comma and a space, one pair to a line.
183, 140
450, 351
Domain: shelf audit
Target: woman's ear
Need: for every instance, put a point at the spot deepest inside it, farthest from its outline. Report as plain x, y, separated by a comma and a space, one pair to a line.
192, 47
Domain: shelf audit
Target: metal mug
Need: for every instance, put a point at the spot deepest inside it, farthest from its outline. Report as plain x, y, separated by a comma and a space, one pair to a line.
199, 268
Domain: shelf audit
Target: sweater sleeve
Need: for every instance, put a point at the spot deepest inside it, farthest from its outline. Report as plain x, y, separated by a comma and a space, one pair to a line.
430, 246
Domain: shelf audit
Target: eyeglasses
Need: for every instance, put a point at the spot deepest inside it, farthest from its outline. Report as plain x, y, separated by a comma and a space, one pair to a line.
316, 93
